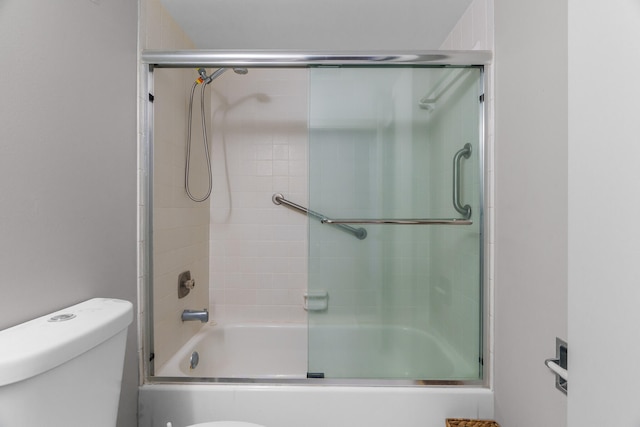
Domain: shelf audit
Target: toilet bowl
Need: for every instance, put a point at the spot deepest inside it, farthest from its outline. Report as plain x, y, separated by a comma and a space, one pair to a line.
225, 424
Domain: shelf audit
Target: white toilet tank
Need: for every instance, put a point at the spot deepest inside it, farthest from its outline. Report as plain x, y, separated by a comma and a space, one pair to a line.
65, 369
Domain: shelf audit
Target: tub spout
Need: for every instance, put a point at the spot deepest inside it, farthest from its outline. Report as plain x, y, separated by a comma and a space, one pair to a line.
201, 315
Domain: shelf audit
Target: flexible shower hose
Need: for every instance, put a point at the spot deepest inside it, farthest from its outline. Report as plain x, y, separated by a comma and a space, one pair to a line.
204, 141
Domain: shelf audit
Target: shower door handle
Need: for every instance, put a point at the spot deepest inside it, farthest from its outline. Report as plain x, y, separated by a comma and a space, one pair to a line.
465, 152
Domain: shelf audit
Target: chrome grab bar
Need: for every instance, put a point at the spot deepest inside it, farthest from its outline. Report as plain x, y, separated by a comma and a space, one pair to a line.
464, 210
401, 221
279, 199
361, 233
466, 153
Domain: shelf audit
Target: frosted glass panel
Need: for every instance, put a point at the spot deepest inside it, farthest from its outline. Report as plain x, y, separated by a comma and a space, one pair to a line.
405, 301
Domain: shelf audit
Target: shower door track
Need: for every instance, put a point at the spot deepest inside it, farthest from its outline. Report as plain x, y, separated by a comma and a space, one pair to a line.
196, 58
291, 59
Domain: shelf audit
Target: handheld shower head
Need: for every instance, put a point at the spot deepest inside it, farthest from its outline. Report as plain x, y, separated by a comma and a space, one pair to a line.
204, 80
208, 79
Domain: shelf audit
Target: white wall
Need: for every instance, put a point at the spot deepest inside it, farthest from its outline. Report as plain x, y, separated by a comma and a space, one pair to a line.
604, 177
67, 161
531, 208
312, 25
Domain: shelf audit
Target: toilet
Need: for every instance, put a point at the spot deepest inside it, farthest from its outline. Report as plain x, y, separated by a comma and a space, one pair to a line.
65, 369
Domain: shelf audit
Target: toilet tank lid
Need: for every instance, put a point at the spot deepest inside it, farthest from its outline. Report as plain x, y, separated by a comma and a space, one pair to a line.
38, 345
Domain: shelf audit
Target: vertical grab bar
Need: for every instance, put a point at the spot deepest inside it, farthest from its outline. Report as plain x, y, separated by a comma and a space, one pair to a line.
457, 159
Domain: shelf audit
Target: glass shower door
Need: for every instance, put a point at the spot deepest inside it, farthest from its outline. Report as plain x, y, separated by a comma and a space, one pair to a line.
393, 294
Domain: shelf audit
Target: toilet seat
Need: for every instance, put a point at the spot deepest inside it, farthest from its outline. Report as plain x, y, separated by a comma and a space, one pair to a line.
226, 424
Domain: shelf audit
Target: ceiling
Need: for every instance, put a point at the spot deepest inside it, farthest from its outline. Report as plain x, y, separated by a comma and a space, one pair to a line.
337, 25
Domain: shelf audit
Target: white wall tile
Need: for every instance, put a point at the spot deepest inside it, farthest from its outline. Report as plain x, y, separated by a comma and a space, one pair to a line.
474, 30
258, 248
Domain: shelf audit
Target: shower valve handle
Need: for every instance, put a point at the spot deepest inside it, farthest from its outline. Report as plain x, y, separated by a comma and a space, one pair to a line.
185, 284
189, 284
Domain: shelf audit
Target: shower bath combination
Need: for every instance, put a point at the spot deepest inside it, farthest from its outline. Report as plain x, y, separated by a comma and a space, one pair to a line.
399, 265
204, 80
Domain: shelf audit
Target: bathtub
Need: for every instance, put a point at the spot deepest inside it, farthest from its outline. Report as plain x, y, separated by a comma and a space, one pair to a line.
243, 351
257, 373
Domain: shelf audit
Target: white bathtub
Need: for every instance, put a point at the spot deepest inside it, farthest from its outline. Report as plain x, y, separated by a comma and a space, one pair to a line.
243, 351
280, 352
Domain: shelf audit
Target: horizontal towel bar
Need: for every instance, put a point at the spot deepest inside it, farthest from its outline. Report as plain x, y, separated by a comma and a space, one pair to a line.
400, 221
279, 199
361, 233
465, 210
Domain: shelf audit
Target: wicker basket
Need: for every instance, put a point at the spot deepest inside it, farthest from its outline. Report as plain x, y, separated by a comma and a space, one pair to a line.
466, 422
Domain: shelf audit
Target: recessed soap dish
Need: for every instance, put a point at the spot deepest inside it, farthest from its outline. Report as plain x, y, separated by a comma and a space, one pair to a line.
316, 301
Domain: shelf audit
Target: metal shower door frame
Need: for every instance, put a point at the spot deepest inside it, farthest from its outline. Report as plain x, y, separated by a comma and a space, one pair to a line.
152, 59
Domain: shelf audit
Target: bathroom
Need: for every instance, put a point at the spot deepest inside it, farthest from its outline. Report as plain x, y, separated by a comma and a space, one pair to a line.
66, 250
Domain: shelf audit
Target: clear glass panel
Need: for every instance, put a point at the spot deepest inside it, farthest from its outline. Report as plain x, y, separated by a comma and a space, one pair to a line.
405, 301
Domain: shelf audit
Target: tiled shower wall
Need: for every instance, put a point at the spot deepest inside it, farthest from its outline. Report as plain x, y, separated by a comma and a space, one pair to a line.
180, 226
474, 30
258, 250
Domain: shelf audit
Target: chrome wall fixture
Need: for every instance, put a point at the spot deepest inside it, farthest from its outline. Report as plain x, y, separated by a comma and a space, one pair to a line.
361, 233
465, 210
466, 153
195, 315
185, 284
399, 221
279, 199
429, 101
